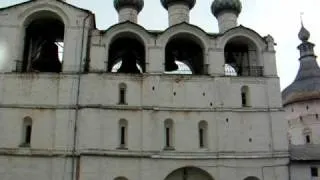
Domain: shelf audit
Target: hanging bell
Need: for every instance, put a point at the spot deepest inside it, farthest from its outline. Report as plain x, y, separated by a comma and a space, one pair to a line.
48, 60
129, 63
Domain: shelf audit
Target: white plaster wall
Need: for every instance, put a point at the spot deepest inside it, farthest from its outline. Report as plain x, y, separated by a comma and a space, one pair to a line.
146, 131
302, 171
159, 169
27, 167
179, 91
303, 115
38, 89
51, 129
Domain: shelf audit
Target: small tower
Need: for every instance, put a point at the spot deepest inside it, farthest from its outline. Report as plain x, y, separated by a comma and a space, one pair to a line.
178, 10
226, 12
128, 9
306, 85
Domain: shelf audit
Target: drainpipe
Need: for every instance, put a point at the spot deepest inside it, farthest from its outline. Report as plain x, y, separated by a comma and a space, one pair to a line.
75, 172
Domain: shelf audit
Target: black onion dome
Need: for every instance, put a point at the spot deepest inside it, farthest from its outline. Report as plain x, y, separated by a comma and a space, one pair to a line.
166, 3
226, 5
304, 34
137, 4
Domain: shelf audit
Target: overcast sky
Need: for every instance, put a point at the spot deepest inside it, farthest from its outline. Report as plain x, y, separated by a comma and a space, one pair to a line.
279, 18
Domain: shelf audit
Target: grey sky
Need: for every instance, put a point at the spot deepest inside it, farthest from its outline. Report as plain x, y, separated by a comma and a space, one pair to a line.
279, 18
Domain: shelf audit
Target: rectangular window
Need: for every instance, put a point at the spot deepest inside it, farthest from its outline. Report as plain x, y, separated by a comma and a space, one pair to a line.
314, 172
28, 134
122, 98
201, 142
244, 99
168, 143
308, 140
123, 136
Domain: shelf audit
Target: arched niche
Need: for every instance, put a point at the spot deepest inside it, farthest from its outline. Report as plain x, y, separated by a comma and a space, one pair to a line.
242, 54
251, 178
121, 178
187, 50
127, 54
193, 36
131, 31
44, 42
242, 48
190, 173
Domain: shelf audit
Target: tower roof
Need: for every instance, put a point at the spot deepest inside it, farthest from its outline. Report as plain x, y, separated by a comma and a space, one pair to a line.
137, 4
304, 34
166, 3
306, 85
226, 5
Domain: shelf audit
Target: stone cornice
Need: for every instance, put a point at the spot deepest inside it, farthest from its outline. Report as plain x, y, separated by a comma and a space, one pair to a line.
142, 154
141, 108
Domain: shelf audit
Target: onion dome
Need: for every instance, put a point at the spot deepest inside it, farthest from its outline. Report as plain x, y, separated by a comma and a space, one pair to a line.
226, 5
304, 34
166, 3
137, 4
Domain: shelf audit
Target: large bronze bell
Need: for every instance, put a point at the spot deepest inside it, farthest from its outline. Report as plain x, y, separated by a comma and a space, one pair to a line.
129, 63
48, 60
170, 64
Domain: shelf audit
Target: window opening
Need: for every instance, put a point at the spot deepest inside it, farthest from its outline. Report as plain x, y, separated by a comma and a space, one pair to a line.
201, 138
244, 96
27, 132
122, 93
123, 131
168, 143
184, 56
241, 58
44, 46
126, 55
123, 128
203, 128
314, 172
308, 140
168, 127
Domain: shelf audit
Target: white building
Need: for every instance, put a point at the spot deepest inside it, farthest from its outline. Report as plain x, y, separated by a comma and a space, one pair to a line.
301, 101
78, 103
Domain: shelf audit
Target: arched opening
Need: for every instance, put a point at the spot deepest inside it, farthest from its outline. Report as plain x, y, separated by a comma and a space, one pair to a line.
26, 132
44, 43
189, 173
241, 58
184, 55
245, 100
120, 178
168, 136
127, 55
251, 178
123, 133
203, 134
